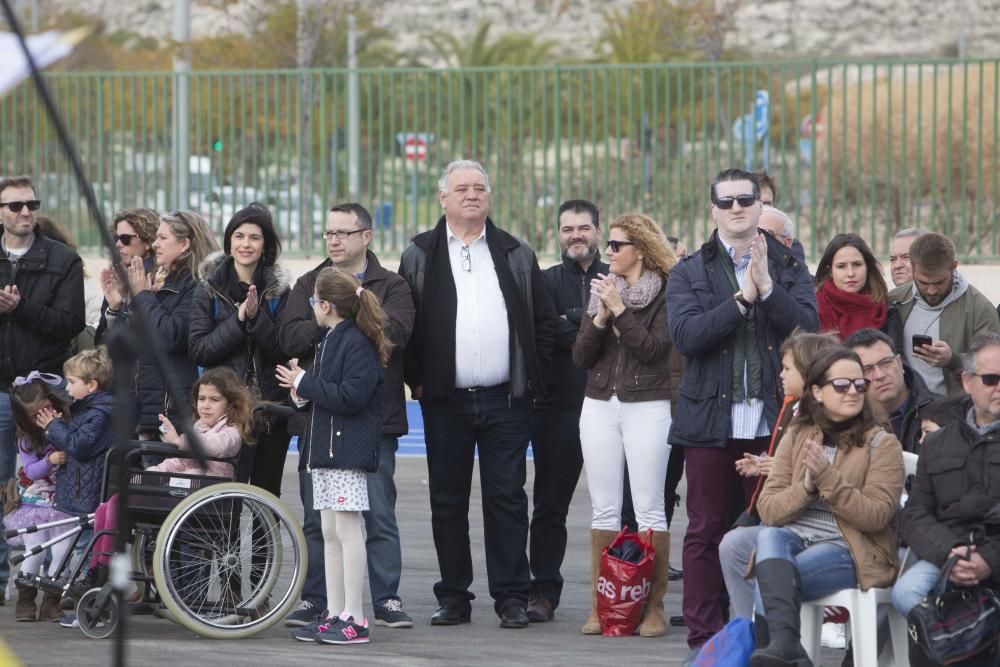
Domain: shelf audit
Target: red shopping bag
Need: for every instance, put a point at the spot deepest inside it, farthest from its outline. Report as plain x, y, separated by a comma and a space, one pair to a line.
623, 586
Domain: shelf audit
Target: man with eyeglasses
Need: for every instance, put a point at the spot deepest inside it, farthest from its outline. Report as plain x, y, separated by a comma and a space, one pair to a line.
348, 234
41, 312
941, 313
730, 305
480, 351
777, 223
897, 394
952, 506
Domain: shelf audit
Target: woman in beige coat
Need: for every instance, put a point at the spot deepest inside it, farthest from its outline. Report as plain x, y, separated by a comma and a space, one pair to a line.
830, 504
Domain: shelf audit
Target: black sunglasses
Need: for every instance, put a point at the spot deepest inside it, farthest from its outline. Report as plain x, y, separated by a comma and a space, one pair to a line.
616, 246
989, 379
16, 206
843, 385
746, 201
125, 239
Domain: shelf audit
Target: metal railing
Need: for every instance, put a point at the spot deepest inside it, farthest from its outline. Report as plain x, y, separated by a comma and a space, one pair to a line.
854, 146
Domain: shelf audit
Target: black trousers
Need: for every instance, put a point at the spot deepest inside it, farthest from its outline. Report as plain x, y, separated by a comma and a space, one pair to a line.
500, 427
269, 457
555, 443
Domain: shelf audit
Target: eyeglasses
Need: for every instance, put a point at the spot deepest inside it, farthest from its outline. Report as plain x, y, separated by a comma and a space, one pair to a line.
616, 246
781, 238
16, 206
746, 201
988, 379
125, 239
882, 364
340, 234
843, 385
466, 258
314, 300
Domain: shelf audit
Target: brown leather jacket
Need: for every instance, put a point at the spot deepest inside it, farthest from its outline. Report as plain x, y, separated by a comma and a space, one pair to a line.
630, 357
862, 486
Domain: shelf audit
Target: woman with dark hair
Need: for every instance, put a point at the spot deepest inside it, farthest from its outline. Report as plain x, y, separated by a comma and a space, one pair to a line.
234, 324
134, 232
851, 292
182, 241
829, 504
625, 346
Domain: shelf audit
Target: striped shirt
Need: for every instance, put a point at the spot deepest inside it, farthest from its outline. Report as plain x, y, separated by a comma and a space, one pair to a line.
747, 416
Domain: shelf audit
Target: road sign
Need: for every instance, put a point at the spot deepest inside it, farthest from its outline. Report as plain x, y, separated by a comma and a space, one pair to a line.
761, 114
416, 149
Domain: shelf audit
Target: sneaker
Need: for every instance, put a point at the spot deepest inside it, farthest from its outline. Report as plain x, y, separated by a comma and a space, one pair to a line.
308, 633
69, 620
306, 616
346, 631
834, 635
391, 615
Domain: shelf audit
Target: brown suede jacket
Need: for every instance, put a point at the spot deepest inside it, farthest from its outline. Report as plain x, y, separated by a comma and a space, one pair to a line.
862, 487
630, 357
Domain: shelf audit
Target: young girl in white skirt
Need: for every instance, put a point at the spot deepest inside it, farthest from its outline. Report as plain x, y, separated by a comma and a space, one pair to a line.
343, 390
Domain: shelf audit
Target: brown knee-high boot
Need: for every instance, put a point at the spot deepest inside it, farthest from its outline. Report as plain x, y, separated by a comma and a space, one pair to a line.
25, 609
599, 539
653, 623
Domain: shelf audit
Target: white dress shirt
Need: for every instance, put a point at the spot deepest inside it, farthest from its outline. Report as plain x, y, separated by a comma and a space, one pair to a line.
482, 332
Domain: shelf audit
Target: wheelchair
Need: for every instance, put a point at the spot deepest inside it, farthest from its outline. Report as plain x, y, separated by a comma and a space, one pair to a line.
223, 559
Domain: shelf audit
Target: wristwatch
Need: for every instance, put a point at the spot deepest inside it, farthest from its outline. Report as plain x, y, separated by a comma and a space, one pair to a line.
738, 298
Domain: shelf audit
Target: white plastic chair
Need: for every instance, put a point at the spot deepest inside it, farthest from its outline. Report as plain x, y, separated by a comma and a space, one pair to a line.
863, 607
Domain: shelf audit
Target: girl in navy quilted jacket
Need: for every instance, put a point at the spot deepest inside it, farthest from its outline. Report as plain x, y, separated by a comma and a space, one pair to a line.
344, 391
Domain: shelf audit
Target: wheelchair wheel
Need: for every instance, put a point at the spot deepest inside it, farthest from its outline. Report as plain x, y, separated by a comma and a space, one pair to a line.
230, 561
97, 621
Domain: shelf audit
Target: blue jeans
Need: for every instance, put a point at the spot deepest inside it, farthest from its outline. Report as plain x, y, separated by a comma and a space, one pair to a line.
385, 560
382, 543
914, 585
824, 568
8, 467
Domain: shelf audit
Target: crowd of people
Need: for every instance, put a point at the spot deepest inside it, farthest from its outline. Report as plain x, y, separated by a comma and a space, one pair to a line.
786, 399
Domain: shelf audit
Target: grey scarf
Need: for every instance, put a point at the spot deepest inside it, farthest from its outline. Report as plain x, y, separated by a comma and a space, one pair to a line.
637, 296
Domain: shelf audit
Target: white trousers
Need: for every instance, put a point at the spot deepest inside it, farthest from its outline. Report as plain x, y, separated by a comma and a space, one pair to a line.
613, 433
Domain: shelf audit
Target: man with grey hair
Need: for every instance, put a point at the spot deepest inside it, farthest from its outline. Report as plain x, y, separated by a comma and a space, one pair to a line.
899, 254
777, 223
481, 344
952, 508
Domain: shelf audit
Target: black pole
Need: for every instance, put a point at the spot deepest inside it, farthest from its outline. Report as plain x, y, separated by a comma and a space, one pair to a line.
125, 353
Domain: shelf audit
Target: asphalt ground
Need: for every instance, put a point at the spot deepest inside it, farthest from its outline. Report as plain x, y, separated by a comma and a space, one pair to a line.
153, 641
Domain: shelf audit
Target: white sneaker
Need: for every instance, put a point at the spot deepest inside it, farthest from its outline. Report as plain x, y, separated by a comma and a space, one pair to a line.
834, 635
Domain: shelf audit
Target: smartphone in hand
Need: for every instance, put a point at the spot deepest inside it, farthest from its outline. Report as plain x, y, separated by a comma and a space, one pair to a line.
919, 340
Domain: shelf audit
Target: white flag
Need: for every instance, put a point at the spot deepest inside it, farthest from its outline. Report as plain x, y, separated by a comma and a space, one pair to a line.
46, 48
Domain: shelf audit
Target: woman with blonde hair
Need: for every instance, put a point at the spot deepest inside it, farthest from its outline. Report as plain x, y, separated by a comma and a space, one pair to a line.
624, 344
182, 241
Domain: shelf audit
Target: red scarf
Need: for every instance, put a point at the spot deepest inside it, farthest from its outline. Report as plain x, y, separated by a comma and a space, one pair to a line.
846, 312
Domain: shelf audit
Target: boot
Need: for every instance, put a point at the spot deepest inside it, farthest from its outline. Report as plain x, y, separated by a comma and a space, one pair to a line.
653, 624
25, 611
781, 593
761, 637
96, 577
599, 540
51, 610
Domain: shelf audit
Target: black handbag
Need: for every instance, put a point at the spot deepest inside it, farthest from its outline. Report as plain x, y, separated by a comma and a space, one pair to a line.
954, 624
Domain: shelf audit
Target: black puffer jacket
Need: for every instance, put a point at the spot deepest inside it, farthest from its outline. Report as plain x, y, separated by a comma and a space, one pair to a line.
168, 312
216, 337
85, 439
344, 387
36, 336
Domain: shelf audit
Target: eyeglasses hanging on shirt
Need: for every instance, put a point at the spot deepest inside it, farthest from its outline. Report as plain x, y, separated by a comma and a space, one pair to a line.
466, 258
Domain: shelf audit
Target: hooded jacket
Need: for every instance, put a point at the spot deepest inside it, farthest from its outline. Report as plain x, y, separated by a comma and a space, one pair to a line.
216, 337
964, 314
86, 438
37, 334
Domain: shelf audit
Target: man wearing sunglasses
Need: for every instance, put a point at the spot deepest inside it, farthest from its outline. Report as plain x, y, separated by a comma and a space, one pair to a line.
41, 311
940, 305
897, 394
348, 234
730, 305
952, 508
